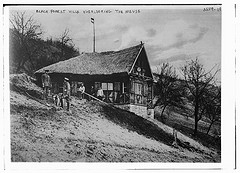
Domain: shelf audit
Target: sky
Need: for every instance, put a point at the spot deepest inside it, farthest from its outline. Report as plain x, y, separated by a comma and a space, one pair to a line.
174, 34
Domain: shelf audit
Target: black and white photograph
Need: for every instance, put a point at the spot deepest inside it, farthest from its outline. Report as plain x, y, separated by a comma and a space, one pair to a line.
115, 83
105, 83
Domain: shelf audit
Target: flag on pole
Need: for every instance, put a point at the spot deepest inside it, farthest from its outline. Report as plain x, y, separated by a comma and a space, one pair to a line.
92, 20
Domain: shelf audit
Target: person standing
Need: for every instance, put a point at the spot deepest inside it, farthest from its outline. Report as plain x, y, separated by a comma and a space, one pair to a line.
46, 84
66, 92
81, 90
100, 94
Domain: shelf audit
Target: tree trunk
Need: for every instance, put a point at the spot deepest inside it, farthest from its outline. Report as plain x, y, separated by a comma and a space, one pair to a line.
163, 112
210, 127
195, 128
196, 117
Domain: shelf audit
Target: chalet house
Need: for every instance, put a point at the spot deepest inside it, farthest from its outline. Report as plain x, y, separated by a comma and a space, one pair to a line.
125, 77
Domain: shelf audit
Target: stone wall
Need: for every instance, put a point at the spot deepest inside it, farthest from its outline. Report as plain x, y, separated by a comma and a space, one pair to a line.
139, 110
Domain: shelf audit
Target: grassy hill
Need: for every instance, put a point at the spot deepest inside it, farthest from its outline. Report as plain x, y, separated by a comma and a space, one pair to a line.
92, 132
177, 118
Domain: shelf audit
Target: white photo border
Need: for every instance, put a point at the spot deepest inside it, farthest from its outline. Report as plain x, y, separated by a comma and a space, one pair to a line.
228, 105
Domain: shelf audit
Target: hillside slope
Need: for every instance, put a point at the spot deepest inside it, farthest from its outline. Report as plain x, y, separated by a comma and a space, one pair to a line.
92, 132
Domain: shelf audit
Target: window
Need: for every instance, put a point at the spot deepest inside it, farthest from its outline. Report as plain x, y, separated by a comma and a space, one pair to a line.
110, 86
138, 88
108, 92
137, 92
104, 86
116, 92
107, 86
116, 86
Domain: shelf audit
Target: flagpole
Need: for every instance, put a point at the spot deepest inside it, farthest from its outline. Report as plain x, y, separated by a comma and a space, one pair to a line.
93, 22
94, 37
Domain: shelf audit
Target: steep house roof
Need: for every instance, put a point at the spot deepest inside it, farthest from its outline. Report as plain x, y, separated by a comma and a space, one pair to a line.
98, 63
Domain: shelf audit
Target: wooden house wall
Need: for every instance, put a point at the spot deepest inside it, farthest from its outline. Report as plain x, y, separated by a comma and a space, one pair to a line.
141, 90
117, 90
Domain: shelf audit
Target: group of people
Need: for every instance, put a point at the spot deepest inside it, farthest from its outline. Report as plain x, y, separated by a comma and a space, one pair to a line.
59, 98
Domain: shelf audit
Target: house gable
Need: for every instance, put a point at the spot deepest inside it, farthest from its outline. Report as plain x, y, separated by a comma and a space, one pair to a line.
141, 65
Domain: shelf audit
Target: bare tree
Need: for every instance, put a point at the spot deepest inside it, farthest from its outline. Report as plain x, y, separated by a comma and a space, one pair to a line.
212, 105
168, 88
64, 40
24, 31
196, 81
